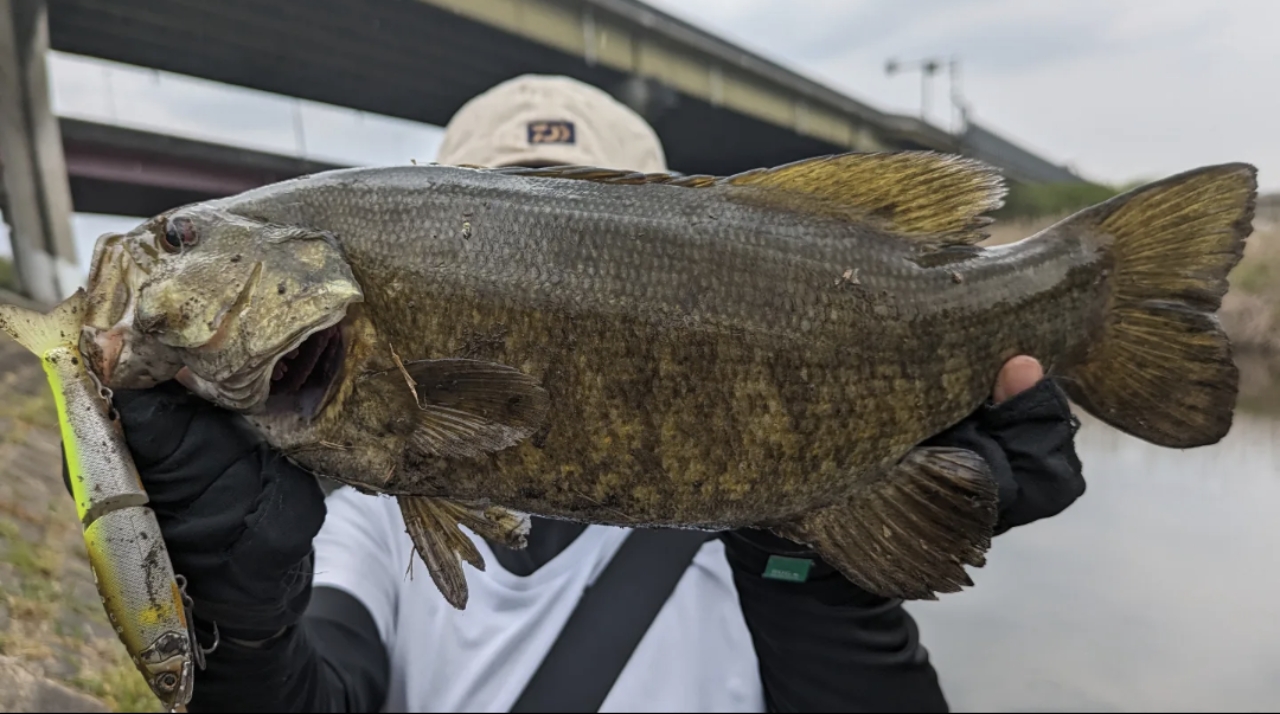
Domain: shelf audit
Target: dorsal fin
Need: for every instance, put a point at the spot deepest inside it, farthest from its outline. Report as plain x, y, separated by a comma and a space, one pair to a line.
936, 198
923, 195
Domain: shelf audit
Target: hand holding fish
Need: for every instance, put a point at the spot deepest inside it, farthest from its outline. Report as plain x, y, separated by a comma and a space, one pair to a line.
233, 517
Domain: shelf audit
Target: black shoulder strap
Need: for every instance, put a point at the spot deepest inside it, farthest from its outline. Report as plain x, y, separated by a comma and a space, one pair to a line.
613, 615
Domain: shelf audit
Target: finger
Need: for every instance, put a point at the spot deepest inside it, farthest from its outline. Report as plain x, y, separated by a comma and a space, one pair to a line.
1018, 375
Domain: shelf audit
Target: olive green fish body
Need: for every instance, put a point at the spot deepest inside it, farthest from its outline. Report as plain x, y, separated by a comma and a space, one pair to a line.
770, 349
711, 361
127, 553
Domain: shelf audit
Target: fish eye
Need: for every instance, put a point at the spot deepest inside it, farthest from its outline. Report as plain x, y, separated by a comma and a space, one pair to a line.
167, 681
179, 233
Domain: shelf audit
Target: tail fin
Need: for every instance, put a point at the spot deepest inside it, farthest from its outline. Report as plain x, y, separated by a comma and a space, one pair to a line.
1162, 369
40, 333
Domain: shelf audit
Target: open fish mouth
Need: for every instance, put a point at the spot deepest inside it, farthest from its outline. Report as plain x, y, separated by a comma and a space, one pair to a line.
303, 378
298, 380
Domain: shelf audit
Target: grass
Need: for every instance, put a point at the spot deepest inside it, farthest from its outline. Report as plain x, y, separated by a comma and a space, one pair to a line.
1254, 278
23, 557
1033, 201
37, 410
119, 686
8, 278
1251, 310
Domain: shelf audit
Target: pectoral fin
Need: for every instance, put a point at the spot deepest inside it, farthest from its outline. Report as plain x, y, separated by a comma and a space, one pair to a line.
912, 534
468, 408
433, 525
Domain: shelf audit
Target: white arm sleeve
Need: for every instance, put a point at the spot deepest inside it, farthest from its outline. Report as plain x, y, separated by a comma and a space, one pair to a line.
361, 550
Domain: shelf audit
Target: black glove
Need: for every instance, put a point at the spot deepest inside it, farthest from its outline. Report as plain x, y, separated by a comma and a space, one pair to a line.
1029, 443
238, 518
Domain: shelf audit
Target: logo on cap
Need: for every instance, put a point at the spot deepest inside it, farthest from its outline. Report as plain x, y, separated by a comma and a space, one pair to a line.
551, 132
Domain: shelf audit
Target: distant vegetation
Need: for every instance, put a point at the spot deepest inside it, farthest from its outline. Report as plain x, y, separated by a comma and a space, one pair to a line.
8, 279
1251, 310
1031, 201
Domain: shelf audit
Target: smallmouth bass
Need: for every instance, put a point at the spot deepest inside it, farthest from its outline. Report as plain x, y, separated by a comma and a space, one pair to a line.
763, 350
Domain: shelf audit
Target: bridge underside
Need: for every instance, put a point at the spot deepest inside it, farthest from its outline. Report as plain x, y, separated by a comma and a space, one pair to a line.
121, 171
400, 58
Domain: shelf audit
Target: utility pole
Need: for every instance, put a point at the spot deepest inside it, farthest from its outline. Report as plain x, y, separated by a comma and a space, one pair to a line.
928, 67
959, 107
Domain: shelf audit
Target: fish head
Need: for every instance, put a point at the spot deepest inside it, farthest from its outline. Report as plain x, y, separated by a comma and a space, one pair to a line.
222, 303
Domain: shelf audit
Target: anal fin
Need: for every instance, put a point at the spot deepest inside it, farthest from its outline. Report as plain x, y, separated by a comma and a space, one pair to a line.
912, 534
433, 525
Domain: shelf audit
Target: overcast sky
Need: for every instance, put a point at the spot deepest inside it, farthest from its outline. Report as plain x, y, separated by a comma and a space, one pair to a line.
1118, 89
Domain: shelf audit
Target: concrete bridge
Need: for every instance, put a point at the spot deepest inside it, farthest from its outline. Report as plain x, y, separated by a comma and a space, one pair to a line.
717, 108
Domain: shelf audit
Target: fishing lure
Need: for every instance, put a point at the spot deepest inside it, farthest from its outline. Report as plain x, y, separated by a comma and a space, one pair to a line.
145, 601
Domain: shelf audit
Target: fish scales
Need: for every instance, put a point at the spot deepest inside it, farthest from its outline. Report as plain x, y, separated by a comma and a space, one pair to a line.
767, 350
679, 328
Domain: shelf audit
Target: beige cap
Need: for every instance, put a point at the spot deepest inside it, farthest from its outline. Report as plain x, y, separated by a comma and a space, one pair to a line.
540, 119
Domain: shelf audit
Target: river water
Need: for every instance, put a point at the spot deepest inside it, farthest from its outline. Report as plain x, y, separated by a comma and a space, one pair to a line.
1157, 590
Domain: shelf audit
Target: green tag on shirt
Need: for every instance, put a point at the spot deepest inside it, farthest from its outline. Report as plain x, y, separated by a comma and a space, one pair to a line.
792, 570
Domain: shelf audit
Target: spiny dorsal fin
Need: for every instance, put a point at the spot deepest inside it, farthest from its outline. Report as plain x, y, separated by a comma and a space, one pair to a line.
936, 198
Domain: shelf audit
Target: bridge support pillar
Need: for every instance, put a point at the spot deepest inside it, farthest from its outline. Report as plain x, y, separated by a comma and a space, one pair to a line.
37, 194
